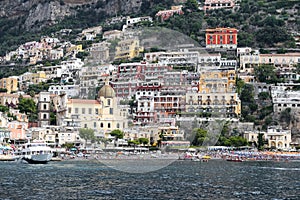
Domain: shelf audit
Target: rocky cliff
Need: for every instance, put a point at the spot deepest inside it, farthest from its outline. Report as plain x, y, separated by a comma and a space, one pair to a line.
36, 14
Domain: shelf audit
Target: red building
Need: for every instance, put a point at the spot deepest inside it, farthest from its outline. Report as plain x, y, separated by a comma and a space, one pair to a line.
221, 38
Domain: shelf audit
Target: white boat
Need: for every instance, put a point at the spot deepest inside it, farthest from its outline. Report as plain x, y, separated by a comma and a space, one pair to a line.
36, 153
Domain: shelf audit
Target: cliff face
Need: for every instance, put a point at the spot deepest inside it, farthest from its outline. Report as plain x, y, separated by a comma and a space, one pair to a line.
36, 14
44, 14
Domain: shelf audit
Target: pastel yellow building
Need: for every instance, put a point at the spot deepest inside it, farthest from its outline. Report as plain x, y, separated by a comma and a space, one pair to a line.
75, 48
103, 115
216, 95
38, 77
128, 49
217, 81
10, 84
213, 104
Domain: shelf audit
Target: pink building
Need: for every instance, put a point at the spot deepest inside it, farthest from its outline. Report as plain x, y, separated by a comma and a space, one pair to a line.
18, 130
166, 14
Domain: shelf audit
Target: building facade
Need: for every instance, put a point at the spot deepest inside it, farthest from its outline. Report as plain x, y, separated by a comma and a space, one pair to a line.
218, 4
103, 115
221, 38
10, 84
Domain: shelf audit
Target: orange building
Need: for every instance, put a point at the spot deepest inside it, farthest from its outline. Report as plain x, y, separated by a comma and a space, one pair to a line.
221, 38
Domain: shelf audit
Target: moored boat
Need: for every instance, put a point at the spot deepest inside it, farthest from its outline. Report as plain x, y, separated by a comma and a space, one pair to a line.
7, 157
235, 159
36, 153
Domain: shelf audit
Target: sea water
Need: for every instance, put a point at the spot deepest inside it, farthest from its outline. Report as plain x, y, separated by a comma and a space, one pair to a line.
90, 179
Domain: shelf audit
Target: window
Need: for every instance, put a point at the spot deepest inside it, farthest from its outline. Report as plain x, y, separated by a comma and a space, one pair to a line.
90, 111
95, 124
118, 125
85, 125
101, 125
69, 110
108, 125
111, 111
45, 116
83, 110
76, 110
45, 106
96, 111
108, 102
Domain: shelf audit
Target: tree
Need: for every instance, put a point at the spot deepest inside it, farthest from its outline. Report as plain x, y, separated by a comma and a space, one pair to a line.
4, 109
104, 140
28, 107
144, 141
266, 74
191, 5
263, 95
260, 141
200, 135
247, 94
118, 134
86, 134
133, 142
3, 90
237, 141
274, 35
52, 118
239, 84
285, 116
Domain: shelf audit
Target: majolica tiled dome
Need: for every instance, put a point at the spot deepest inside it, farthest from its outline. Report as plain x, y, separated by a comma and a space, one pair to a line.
106, 91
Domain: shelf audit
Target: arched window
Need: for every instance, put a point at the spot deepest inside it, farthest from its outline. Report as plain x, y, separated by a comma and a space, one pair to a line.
101, 125
45, 116
118, 125
45, 106
108, 125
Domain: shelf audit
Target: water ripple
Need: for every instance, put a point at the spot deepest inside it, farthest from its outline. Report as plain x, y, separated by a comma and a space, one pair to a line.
180, 180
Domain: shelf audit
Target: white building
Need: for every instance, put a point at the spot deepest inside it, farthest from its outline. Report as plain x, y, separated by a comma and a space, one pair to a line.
283, 98
131, 22
275, 136
278, 137
69, 90
282, 62
112, 35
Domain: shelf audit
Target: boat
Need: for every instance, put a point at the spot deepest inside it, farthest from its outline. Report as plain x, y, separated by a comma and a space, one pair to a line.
36, 153
7, 157
235, 159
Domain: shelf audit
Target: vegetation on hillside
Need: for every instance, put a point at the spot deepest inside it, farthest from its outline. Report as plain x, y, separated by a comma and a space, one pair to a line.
264, 23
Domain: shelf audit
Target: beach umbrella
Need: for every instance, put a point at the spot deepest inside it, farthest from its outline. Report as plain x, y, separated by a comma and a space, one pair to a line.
8, 148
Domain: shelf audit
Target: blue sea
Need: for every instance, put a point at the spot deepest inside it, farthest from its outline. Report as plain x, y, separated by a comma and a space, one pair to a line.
90, 179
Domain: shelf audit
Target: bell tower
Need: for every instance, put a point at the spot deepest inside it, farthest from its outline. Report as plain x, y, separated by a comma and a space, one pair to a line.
44, 109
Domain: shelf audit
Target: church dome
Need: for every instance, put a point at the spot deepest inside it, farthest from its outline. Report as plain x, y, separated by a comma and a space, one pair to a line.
107, 91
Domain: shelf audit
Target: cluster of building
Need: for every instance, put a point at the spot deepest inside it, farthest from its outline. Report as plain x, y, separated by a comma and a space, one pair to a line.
143, 99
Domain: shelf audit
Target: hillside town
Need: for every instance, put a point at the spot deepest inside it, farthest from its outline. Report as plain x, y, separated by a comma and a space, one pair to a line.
115, 80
